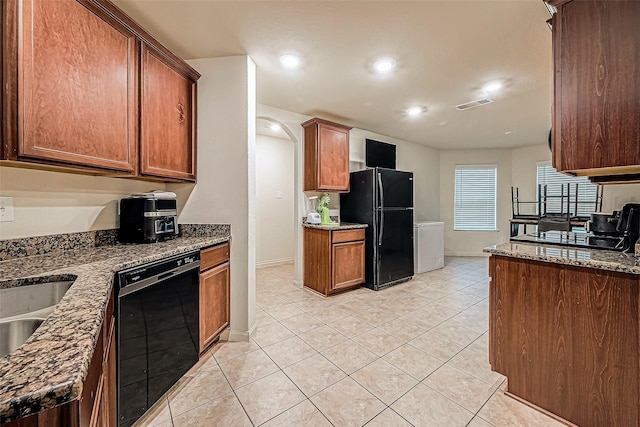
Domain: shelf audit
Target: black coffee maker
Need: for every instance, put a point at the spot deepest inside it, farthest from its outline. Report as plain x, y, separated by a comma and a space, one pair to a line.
629, 225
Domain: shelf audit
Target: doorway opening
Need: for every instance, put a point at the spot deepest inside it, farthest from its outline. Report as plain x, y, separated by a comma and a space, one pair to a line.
276, 194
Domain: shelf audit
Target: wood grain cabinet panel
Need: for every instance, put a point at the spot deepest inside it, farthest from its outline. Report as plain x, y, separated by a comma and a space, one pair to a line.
596, 47
326, 156
215, 293
77, 96
87, 90
329, 268
167, 118
567, 339
214, 304
348, 264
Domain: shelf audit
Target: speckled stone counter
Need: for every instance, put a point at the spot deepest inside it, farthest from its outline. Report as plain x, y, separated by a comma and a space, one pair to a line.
569, 255
339, 226
49, 369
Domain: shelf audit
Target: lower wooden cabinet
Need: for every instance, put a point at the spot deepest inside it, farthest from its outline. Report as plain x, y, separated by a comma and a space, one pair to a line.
566, 338
214, 293
333, 260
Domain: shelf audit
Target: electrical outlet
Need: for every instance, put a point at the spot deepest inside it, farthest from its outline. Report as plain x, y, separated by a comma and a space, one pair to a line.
6, 209
278, 194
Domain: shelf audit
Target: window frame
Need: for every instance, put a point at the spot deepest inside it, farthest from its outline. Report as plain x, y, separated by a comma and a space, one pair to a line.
466, 226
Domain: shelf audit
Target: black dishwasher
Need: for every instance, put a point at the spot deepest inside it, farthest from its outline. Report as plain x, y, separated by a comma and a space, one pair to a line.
157, 330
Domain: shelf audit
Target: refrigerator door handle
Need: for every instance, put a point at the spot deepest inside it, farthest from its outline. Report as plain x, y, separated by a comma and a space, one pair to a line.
381, 191
381, 228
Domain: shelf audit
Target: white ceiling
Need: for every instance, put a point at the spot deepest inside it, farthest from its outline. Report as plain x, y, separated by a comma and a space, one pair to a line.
445, 52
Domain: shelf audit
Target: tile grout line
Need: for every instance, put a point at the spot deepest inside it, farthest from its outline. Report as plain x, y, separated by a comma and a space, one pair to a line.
404, 343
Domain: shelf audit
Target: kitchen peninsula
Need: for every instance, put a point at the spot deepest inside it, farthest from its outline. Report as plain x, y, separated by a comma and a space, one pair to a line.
564, 329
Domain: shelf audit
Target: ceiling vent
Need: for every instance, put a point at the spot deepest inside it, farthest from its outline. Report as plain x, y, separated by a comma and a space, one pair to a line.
473, 104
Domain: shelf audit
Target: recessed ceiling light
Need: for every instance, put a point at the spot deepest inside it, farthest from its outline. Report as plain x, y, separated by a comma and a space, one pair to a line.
415, 111
275, 127
290, 60
508, 132
492, 87
384, 65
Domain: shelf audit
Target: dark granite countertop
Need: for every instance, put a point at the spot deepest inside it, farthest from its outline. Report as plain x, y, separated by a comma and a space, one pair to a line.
569, 255
338, 226
49, 369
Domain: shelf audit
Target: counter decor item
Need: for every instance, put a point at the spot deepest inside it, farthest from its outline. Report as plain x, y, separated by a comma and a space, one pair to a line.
323, 210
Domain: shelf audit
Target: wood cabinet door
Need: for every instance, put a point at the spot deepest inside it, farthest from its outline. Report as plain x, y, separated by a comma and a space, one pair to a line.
333, 159
214, 303
316, 270
566, 339
348, 264
77, 93
597, 81
167, 118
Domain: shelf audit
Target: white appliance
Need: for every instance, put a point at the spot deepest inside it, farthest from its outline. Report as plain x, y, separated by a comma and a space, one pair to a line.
313, 218
428, 241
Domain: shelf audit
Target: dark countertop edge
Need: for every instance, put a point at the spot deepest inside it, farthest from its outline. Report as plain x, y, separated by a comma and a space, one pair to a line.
70, 386
340, 226
609, 260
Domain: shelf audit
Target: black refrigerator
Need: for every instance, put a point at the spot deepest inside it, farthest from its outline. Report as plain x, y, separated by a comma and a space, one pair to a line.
383, 199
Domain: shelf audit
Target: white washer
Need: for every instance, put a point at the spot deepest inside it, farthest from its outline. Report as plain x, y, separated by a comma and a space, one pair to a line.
428, 249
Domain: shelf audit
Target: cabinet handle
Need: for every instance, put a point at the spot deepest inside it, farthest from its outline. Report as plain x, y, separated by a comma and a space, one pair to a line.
180, 110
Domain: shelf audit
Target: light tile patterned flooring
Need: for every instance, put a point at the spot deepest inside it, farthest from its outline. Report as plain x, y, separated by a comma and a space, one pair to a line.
413, 354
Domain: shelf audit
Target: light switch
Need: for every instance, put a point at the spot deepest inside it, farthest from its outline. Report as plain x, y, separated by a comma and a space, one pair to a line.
278, 194
6, 209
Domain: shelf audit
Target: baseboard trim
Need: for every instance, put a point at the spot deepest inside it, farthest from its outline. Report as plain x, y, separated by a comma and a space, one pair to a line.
239, 335
273, 262
468, 254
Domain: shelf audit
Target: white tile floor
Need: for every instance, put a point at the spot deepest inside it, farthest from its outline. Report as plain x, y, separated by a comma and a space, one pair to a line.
414, 354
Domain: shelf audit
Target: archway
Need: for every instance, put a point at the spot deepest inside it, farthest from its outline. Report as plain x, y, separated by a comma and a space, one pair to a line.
285, 132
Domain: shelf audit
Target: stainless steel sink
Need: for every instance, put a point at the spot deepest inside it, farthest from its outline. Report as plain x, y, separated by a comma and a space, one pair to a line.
14, 333
21, 300
24, 308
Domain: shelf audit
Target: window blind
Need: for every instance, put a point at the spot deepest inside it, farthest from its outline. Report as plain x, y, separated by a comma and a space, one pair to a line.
475, 197
587, 192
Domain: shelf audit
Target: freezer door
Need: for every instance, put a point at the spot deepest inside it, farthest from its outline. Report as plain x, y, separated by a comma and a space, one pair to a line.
394, 245
358, 205
394, 188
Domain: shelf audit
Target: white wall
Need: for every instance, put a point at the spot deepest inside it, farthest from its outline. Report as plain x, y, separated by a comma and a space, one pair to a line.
524, 170
290, 123
423, 161
225, 191
517, 168
471, 243
275, 222
48, 202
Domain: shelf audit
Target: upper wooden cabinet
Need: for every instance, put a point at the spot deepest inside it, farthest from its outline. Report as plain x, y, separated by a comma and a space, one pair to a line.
167, 120
76, 75
596, 49
86, 88
326, 156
